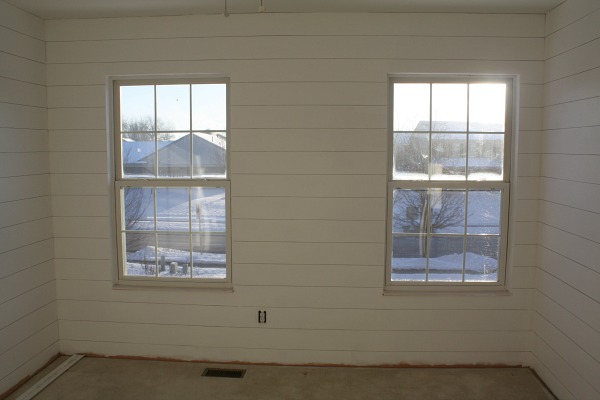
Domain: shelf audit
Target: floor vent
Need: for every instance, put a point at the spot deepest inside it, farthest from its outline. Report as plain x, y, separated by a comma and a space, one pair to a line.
224, 373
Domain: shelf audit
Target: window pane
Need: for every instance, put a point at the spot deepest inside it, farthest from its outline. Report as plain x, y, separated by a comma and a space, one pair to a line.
137, 108
484, 211
209, 155
446, 258
173, 107
450, 131
487, 102
208, 210
449, 156
409, 261
172, 209
409, 211
209, 107
447, 210
138, 155
449, 107
174, 155
174, 255
140, 254
411, 106
482, 259
138, 206
209, 255
486, 154
411, 156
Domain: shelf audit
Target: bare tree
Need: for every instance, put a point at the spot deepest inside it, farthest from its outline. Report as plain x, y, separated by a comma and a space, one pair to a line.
411, 152
438, 209
132, 128
427, 211
135, 204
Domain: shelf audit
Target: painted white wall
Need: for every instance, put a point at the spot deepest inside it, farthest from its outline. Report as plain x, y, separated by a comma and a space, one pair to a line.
28, 316
566, 318
308, 162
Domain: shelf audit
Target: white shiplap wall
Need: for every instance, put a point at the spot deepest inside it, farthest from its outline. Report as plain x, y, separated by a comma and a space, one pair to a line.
28, 316
566, 318
308, 162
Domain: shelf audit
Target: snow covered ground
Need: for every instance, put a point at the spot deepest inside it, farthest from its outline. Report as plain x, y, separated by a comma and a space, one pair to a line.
478, 268
174, 225
173, 207
205, 265
207, 220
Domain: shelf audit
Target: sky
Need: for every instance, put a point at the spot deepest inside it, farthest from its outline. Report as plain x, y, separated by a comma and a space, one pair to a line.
449, 103
209, 105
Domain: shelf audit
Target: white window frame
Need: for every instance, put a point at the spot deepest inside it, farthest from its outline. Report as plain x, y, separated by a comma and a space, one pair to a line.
119, 182
400, 287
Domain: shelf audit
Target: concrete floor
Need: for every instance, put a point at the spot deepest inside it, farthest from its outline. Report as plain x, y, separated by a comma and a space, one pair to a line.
101, 378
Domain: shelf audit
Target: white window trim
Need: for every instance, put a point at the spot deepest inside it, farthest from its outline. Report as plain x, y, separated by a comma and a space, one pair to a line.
116, 182
508, 185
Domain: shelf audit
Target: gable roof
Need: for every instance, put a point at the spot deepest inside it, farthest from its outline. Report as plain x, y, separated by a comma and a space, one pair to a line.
177, 153
459, 126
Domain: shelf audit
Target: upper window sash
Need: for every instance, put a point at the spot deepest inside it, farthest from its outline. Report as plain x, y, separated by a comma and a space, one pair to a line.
446, 130
171, 129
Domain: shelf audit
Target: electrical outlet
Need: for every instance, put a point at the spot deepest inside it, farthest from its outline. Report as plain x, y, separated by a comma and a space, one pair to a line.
262, 317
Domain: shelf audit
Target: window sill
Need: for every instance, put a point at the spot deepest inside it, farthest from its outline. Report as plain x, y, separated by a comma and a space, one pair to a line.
169, 285
445, 291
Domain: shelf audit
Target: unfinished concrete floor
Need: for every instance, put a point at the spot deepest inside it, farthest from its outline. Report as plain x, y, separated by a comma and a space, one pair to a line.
102, 378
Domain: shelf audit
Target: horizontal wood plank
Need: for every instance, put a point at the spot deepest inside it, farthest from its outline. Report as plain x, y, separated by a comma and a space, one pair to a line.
300, 319
297, 47
26, 256
81, 206
265, 338
372, 186
300, 356
26, 233
27, 117
81, 227
18, 44
292, 297
322, 70
308, 163
26, 280
14, 18
571, 141
560, 191
23, 140
256, 230
309, 253
571, 299
575, 248
291, 140
18, 92
78, 140
355, 209
295, 24
575, 221
15, 333
17, 212
23, 164
581, 333
575, 356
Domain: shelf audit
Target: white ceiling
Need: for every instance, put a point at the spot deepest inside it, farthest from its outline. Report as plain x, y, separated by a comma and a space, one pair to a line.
61, 9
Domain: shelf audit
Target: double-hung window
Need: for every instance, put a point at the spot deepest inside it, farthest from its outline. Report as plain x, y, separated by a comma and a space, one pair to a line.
171, 186
449, 186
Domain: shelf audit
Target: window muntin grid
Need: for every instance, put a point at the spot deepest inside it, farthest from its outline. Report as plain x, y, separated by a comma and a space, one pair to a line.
435, 237
435, 152
449, 131
171, 183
